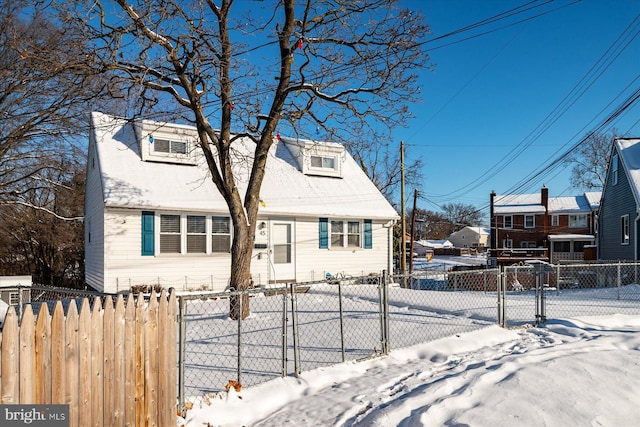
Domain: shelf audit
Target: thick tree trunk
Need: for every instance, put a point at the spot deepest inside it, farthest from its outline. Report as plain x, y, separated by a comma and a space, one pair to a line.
240, 281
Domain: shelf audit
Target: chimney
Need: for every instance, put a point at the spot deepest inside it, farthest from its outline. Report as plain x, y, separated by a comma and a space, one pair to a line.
544, 198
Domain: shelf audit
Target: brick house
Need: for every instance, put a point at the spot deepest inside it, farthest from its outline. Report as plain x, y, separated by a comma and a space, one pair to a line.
536, 226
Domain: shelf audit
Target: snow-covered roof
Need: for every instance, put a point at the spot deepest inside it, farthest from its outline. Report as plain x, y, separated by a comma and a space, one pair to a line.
128, 181
593, 198
568, 204
517, 203
478, 230
629, 150
435, 244
532, 204
562, 237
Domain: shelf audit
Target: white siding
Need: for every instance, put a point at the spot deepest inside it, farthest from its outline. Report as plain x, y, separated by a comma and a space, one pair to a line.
127, 267
94, 223
312, 263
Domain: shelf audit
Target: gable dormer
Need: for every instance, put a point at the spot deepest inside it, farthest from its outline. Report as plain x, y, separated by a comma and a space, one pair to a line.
166, 143
317, 158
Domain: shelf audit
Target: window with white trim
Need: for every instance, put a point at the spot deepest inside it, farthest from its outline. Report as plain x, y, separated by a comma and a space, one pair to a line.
353, 234
507, 243
554, 220
345, 234
170, 234
624, 230
220, 234
529, 221
614, 169
189, 234
196, 234
507, 221
577, 221
323, 162
528, 245
168, 146
14, 298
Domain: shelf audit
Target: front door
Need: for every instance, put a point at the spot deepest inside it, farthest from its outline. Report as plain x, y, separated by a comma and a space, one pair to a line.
282, 251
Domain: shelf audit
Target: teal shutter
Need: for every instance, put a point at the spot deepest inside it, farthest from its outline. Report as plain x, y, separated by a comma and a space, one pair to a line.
148, 233
368, 234
323, 229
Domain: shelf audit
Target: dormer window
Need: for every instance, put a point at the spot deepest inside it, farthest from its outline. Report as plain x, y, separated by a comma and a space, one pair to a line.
323, 162
161, 142
317, 158
167, 146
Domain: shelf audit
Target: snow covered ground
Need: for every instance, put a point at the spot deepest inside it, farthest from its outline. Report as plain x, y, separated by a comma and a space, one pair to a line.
573, 372
450, 364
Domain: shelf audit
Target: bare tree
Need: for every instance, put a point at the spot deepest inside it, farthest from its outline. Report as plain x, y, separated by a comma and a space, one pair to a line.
35, 242
239, 70
431, 225
380, 160
45, 93
461, 215
590, 161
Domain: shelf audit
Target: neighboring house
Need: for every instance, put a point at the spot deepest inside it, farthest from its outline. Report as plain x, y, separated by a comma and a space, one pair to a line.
471, 237
11, 288
153, 215
536, 226
14, 290
424, 248
618, 228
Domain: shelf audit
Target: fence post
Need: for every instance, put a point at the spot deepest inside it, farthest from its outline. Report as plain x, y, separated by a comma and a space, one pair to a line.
499, 286
384, 312
540, 298
240, 297
294, 323
619, 278
182, 311
341, 318
284, 332
20, 302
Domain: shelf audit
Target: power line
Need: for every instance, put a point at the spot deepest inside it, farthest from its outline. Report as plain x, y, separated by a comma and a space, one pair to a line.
587, 80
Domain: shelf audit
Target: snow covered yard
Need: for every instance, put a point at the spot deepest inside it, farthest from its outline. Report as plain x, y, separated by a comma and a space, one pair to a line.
573, 372
448, 359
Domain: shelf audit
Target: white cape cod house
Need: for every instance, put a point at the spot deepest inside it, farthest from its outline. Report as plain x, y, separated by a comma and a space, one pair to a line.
154, 217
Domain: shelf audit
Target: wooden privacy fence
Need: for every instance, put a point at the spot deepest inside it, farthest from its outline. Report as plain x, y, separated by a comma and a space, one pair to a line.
113, 365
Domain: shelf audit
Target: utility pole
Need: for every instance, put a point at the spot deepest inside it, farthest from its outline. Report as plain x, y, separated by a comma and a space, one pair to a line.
403, 239
413, 226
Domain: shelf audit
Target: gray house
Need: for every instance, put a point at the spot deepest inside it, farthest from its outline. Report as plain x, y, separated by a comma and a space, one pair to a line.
619, 216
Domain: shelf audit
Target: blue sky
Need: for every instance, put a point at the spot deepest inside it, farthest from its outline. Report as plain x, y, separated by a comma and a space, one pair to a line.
490, 97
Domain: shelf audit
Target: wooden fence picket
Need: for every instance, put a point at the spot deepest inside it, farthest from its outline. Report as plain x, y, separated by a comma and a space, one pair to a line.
151, 361
130, 361
108, 389
42, 349
58, 347
114, 365
119, 383
72, 364
27, 357
84, 364
10, 375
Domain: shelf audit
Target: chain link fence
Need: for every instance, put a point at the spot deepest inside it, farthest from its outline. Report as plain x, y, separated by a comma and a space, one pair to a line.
299, 327
291, 328
569, 290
